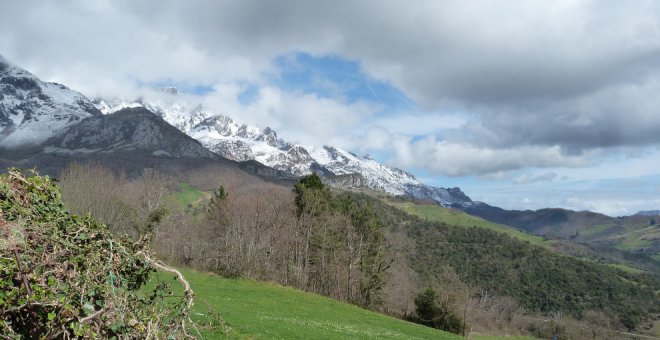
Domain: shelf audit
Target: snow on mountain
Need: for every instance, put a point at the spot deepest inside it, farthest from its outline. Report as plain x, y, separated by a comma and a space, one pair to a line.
377, 176
129, 129
178, 113
241, 142
220, 133
31, 111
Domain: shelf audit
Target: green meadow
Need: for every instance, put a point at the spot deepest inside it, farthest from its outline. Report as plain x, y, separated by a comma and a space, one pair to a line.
239, 308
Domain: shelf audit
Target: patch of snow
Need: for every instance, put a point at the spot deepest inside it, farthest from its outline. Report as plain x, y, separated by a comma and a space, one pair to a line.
161, 153
56, 150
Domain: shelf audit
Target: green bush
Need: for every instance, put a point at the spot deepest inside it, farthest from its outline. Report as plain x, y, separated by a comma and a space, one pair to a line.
435, 312
65, 276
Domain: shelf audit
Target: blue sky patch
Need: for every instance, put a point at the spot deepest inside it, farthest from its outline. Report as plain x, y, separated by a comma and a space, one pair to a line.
331, 76
248, 95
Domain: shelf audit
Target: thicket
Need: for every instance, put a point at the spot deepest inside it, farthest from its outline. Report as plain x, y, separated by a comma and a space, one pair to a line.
315, 241
432, 310
68, 276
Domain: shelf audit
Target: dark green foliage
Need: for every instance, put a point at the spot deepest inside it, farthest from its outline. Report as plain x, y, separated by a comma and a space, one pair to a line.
345, 248
373, 261
539, 279
216, 210
66, 276
306, 185
312, 181
431, 310
220, 194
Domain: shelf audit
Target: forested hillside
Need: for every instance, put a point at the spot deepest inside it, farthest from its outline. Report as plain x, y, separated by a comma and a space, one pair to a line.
539, 279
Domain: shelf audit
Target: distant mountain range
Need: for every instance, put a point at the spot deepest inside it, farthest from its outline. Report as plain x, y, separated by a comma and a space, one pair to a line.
126, 130
240, 142
648, 213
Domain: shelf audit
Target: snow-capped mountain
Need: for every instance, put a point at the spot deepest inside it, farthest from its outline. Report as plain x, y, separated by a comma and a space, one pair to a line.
64, 122
31, 111
129, 129
240, 142
222, 135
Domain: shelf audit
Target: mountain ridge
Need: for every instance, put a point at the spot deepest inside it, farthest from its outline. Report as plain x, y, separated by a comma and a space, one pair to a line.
241, 142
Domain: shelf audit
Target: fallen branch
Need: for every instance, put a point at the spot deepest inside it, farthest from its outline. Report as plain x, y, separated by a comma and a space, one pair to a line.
188, 292
92, 316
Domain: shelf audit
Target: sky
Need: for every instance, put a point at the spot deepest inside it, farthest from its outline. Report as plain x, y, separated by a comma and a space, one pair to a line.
522, 104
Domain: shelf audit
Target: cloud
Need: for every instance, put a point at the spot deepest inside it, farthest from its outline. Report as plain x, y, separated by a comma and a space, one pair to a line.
304, 118
611, 206
543, 84
528, 179
462, 160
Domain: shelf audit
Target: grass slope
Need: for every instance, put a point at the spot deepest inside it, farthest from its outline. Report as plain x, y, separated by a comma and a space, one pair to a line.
188, 196
455, 217
262, 310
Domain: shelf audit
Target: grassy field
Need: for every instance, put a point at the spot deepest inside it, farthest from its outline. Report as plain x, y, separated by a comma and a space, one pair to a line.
597, 229
187, 195
493, 337
640, 238
459, 218
656, 328
626, 268
260, 310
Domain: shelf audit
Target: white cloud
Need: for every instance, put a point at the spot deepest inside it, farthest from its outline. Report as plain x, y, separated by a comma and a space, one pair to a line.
304, 118
530, 178
456, 159
421, 123
536, 84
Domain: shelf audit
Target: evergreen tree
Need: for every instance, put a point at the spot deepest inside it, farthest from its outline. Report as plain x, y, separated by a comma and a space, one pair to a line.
306, 185
435, 312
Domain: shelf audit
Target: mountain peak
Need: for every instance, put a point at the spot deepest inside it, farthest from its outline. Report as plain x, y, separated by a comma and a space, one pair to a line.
133, 128
31, 110
7, 68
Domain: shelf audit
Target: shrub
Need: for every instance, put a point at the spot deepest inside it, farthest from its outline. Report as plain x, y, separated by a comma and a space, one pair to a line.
435, 312
64, 276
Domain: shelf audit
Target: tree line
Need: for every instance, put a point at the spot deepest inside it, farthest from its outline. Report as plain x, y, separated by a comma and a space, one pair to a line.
309, 237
